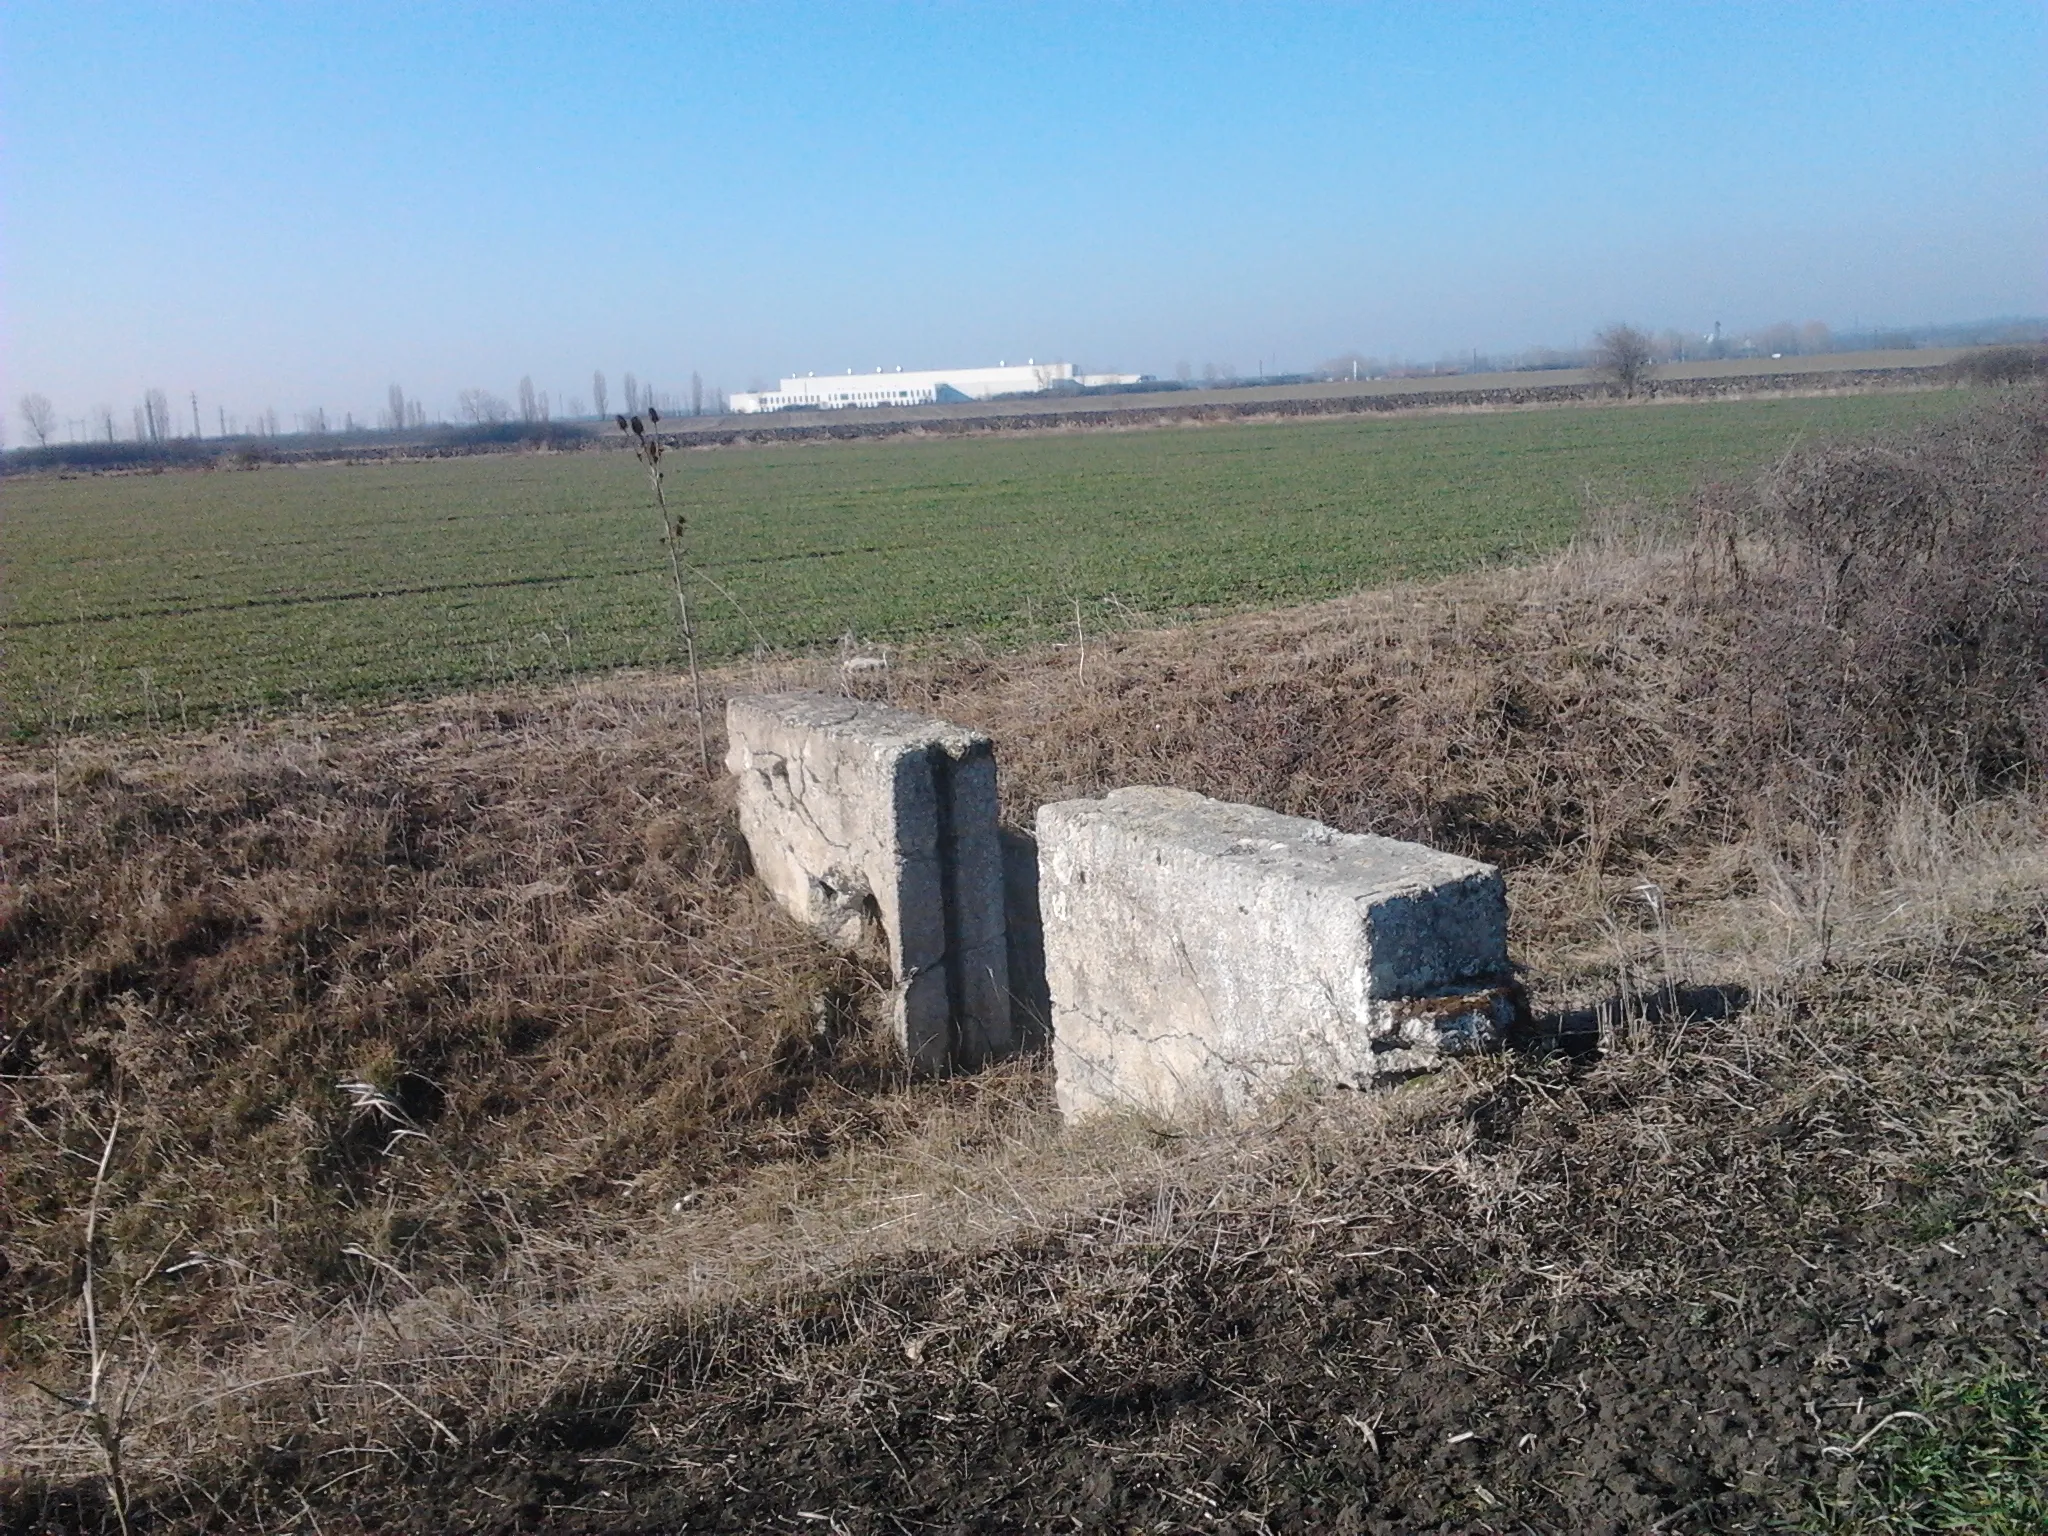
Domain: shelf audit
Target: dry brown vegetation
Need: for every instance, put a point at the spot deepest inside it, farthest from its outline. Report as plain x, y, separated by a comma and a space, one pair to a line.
471, 1097
2001, 365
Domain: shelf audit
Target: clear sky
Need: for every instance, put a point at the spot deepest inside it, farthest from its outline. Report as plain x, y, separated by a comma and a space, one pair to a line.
290, 205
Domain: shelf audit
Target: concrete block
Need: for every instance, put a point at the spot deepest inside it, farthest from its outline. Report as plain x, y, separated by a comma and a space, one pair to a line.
1030, 1008
865, 818
1199, 954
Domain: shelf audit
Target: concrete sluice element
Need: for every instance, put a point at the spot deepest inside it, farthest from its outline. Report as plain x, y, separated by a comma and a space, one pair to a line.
860, 817
1200, 955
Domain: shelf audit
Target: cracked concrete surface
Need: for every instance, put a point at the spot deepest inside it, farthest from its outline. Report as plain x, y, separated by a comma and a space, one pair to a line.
1200, 955
864, 817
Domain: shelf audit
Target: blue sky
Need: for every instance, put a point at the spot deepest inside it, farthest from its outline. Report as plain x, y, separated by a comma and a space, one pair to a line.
287, 205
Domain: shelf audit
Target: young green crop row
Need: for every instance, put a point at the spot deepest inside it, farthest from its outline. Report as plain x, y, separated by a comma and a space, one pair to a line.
171, 597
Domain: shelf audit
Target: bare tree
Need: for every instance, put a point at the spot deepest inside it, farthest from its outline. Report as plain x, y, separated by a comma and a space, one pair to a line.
696, 393
1622, 354
395, 417
598, 393
529, 407
632, 387
39, 416
156, 416
482, 407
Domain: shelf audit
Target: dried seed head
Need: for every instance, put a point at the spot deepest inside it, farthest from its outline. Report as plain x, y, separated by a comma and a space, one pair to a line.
621, 421
638, 429
653, 414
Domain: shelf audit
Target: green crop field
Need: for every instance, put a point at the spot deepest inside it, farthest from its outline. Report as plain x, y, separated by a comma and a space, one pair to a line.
180, 596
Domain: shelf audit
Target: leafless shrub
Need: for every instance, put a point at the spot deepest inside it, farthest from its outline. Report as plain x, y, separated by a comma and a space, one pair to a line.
1625, 355
1894, 618
2001, 365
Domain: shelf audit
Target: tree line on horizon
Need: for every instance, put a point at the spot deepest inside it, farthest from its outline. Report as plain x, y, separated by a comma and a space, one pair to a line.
152, 422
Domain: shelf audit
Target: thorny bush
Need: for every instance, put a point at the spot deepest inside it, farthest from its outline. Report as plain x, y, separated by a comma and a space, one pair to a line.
1889, 602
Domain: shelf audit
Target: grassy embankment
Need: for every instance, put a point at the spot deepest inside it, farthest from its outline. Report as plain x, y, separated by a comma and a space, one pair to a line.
675, 1244
174, 598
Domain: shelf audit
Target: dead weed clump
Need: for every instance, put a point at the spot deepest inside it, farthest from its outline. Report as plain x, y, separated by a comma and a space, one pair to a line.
1890, 608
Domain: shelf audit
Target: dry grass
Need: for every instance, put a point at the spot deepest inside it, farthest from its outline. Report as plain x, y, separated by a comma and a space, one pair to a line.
1507, 1211
600, 1084
527, 939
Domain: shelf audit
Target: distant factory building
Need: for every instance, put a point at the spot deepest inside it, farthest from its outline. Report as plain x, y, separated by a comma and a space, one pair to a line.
934, 386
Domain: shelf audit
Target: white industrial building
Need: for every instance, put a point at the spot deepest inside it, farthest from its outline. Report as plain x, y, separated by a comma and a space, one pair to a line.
838, 391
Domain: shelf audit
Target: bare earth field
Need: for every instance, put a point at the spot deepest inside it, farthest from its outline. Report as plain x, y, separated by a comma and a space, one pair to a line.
1927, 360
492, 1156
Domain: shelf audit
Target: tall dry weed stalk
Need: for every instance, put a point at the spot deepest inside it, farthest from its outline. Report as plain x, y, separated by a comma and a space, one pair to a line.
104, 1411
648, 448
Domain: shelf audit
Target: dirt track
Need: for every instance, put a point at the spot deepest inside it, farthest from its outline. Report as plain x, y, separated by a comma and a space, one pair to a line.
1623, 1418
1502, 391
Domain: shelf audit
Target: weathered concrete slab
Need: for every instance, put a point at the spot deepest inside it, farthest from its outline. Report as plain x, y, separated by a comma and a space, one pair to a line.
863, 816
1030, 1008
1200, 954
